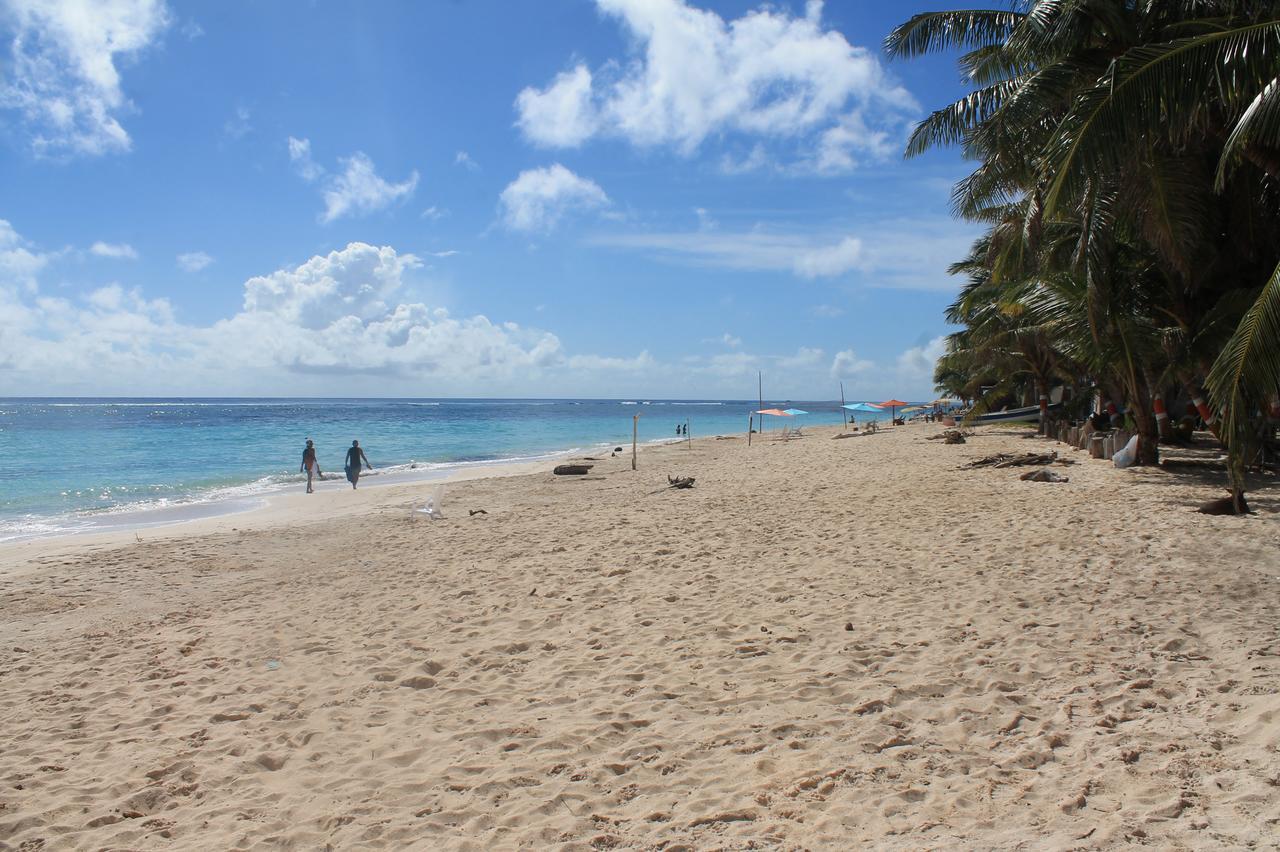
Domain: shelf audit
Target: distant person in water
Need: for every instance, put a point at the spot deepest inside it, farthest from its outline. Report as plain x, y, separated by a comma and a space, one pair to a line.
310, 465
355, 455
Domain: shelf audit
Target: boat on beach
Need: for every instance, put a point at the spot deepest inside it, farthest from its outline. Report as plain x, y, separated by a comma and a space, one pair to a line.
1028, 413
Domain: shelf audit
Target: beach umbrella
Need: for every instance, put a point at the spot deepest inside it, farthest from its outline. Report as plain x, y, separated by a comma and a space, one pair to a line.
794, 412
773, 412
891, 405
862, 406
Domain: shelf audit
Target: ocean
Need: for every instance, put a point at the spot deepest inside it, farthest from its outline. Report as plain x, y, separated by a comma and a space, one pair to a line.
94, 464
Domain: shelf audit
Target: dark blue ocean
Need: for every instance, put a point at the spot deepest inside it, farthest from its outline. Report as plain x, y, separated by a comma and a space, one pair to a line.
73, 464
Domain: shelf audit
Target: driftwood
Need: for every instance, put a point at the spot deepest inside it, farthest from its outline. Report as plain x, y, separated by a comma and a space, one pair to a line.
680, 481
474, 512
1043, 475
1026, 459
572, 469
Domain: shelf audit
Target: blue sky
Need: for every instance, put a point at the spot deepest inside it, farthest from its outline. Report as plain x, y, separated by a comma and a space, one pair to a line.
562, 198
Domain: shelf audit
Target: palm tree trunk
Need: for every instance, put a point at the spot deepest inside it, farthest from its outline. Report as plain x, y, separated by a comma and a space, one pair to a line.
1163, 424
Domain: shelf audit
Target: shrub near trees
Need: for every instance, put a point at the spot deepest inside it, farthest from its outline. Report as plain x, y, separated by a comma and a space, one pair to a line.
1128, 175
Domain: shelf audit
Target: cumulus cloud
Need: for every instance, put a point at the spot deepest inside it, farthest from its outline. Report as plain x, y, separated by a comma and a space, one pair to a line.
539, 198
561, 115
694, 75
339, 314
193, 261
115, 251
63, 78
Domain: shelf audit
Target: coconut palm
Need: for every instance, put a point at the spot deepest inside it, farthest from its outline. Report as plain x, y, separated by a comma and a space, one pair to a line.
1129, 153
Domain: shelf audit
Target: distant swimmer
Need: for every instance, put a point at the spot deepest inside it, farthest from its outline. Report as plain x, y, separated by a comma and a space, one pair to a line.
310, 465
355, 455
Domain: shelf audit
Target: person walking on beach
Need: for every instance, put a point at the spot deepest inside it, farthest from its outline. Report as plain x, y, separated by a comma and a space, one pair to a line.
355, 455
310, 464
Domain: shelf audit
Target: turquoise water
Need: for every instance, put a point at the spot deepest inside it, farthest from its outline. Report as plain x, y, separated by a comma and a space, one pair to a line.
78, 463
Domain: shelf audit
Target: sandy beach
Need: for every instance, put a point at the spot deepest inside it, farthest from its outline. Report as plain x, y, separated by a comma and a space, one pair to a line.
825, 644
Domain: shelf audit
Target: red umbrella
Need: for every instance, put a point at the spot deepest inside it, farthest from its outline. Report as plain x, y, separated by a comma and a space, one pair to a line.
891, 405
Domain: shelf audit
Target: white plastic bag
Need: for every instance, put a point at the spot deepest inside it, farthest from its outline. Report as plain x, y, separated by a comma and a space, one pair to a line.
1128, 455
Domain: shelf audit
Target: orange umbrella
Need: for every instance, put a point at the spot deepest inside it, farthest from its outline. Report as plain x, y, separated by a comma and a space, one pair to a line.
891, 405
776, 412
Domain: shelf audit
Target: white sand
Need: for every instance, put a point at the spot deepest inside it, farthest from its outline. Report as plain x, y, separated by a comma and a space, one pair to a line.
593, 665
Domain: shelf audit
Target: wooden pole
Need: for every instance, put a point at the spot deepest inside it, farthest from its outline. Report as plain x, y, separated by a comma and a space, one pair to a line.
751, 427
635, 429
760, 391
844, 413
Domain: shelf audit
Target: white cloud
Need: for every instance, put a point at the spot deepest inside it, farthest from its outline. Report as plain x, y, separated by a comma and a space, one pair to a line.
911, 254
300, 155
826, 261
433, 213
731, 364
462, 158
917, 363
19, 265
847, 365
62, 78
115, 251
799, 254
539, 198
694, 75
562, 115
338, 314
194, 261
445, 253
641, 362
359, 190
804, 358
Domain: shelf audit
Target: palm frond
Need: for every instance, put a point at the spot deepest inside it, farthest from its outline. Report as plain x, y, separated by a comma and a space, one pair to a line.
1155, 91
951, 124
1258, 125
1248, 370
933, 32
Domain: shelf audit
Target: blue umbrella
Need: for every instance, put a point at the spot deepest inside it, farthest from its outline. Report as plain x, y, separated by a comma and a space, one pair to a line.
862, 406
793, 411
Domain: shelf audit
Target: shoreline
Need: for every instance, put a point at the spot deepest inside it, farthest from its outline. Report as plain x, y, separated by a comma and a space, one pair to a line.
127, 519
824, 643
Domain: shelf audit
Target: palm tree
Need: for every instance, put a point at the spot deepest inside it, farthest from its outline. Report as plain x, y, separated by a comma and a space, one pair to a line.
1129, 153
